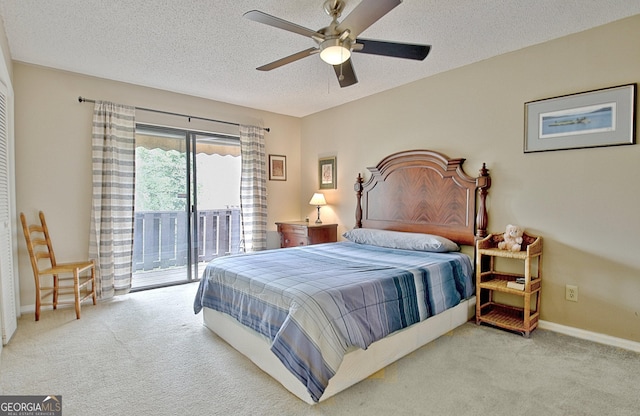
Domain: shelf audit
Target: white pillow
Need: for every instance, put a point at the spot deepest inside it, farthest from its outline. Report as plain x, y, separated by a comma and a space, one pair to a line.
401, 240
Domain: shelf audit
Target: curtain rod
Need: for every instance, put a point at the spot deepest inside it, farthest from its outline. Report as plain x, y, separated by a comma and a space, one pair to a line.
87, 100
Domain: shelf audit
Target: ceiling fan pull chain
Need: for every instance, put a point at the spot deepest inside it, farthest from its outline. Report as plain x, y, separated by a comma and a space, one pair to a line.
341, 77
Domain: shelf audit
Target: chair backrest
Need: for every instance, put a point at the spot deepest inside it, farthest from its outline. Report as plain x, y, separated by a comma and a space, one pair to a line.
38, 243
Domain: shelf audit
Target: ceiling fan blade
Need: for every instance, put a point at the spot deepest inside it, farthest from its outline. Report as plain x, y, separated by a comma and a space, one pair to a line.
267, 19
365, 14
393, 49
345, 73
288, 59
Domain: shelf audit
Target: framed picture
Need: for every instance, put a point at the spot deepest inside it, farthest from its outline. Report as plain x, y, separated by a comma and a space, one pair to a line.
277, 168
604, 117
327, 173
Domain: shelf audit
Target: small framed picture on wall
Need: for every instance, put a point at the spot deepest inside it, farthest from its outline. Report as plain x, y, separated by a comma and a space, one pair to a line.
277, 168
327, 173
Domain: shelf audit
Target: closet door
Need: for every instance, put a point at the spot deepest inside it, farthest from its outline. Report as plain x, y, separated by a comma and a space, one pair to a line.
7, 284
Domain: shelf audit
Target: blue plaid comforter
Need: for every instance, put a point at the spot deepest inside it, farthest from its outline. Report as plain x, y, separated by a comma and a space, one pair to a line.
316, 302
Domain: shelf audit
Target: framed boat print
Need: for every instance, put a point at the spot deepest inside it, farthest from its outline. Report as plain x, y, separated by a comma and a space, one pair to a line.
604, 117
327, 173
277, 168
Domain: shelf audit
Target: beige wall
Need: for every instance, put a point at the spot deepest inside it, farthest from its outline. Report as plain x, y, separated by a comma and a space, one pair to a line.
53, 151
583, 202
576, 199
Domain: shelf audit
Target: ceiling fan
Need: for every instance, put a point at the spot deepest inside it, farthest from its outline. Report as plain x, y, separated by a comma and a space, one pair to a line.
337, 41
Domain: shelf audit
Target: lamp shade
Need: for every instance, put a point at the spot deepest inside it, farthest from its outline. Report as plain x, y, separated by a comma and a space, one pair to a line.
318, 199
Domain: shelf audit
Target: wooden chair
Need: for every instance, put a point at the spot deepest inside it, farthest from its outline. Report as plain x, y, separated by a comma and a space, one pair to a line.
80, 274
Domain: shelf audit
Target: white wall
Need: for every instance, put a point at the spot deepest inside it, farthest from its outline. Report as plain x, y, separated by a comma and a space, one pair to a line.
583, 202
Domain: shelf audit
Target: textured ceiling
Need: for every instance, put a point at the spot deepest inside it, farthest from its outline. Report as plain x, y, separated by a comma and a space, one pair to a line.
207, 49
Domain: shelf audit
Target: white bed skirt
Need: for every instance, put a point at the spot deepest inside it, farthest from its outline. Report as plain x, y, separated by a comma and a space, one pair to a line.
357, 365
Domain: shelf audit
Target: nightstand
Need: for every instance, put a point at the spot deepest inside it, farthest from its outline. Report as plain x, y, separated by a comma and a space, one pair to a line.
302, 233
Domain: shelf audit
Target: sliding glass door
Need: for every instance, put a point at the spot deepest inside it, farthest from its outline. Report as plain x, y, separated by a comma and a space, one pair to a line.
187, 204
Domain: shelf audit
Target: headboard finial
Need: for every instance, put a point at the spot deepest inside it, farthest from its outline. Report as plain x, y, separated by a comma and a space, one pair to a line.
483, 184
483, 170
358, 188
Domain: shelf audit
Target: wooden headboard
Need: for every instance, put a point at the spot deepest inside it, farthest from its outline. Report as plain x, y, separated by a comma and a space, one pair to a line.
426, 192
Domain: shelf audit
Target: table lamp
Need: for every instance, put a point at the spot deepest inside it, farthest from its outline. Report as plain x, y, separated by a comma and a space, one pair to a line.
318, 200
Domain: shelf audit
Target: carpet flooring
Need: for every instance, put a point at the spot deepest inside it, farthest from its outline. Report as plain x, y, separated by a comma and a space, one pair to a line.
146, 353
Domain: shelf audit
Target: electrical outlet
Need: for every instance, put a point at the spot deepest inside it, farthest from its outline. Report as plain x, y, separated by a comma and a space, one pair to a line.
571, 293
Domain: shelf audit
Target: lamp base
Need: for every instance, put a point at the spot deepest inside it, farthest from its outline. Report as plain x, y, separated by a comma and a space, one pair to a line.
318, 220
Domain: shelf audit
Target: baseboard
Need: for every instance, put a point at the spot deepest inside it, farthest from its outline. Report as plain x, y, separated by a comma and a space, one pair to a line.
31, 309
590, 336
24, 309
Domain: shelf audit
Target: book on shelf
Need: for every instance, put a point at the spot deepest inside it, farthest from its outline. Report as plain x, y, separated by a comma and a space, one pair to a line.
517, 284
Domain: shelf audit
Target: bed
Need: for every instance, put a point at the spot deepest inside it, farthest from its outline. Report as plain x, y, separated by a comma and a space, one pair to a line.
321, 318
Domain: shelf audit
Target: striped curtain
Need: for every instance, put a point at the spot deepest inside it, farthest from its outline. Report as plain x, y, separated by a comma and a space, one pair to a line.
112, 212
253, 189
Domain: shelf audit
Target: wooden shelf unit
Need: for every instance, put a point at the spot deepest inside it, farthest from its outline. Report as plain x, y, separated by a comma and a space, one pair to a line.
489, 280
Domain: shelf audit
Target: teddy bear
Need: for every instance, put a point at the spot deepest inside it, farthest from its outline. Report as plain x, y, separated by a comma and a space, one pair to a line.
512, 238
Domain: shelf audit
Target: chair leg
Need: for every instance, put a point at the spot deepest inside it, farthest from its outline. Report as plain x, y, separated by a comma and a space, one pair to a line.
38, 300
76, 291
93, 284
37, 304
55, 291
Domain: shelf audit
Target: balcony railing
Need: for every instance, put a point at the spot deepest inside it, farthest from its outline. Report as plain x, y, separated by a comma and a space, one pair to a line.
160, 237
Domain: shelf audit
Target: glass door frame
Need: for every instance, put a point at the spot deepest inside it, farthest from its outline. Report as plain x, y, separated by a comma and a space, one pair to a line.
191, 140
187, 138
192, 207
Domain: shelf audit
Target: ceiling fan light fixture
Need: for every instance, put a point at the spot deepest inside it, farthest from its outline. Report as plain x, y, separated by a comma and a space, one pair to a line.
334, 52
